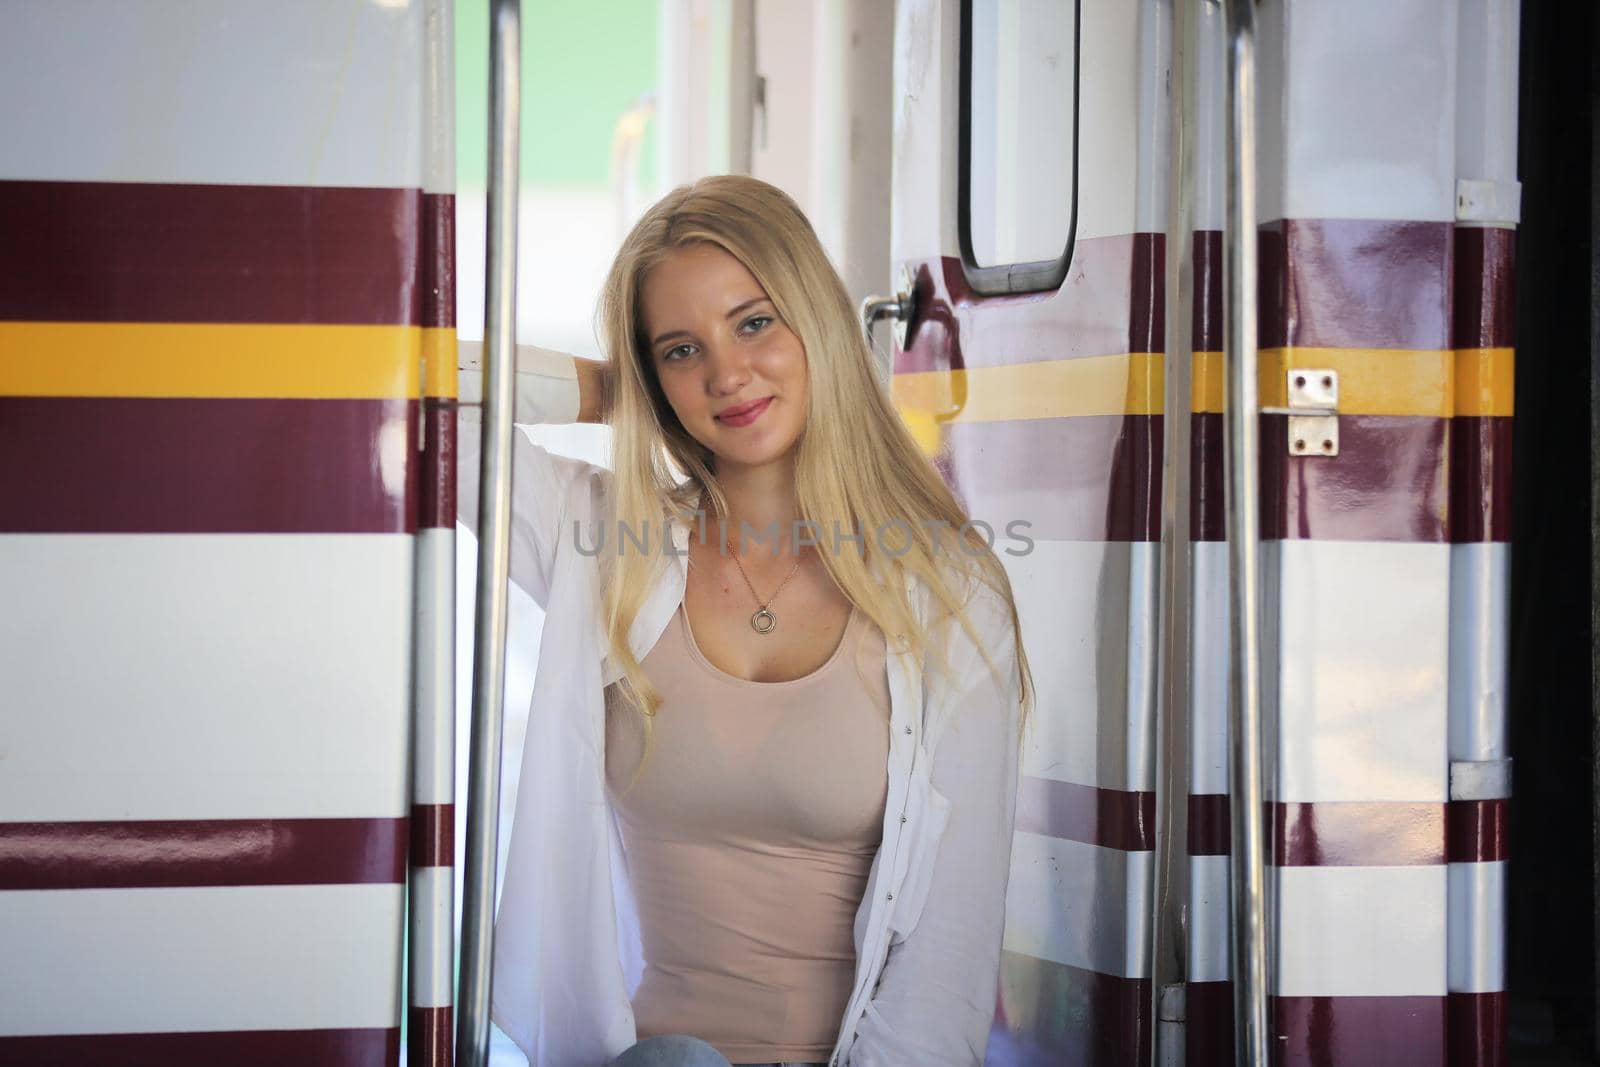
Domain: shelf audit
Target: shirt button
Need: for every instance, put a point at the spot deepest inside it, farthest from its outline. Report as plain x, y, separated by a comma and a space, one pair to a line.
902, 818
891, 896
908, 729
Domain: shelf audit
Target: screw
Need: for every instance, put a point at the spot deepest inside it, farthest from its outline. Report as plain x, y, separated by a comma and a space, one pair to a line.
1327, 381
1300, 381
1299, 445
1327, 446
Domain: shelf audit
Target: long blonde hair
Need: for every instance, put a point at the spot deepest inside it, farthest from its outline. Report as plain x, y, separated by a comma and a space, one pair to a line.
856, 462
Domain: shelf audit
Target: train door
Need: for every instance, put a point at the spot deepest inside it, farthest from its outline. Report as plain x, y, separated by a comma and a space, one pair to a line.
1026, 196
1387, 204
226, 531
1035, 193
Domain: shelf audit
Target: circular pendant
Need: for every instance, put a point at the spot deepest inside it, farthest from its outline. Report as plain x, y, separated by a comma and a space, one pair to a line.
763, 621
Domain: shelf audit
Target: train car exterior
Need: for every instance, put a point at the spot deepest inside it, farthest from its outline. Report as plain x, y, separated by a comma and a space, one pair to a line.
1387, 211
226, 541
227, 482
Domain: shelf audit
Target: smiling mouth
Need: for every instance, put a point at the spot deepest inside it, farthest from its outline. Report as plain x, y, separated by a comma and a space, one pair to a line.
745, 415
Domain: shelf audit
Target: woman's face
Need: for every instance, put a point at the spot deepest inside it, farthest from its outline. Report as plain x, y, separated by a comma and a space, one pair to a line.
718, 346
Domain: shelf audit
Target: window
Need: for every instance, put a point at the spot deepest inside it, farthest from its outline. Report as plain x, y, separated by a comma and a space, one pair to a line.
1019, 142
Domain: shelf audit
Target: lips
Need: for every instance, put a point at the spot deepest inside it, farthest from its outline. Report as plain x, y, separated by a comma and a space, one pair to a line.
745, 414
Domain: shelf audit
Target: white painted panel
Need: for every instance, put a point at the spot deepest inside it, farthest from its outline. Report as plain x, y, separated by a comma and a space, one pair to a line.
1108, 118
432, 918
1478, 927
109, 961
1357, 110
1362, 651
205, 676
1210, 934
1210, 136
255, 92
433, 760
1155, 70
926, 132
1073, 599
1081, 905
1360, 931
1480, 633
1209, 644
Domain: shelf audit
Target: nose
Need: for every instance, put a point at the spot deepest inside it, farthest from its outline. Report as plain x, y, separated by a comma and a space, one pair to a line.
728, 369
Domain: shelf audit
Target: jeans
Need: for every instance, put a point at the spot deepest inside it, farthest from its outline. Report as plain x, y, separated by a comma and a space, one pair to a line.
681, 1050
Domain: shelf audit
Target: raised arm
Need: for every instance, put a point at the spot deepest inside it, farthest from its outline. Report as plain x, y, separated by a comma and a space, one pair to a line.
551, 387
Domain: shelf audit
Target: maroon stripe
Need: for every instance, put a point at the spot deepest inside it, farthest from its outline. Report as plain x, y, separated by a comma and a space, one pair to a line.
1316, 1031
1479, 1030
1357, 834
430, 1041
436, 499
1485, 289
1478, 831
201, 852
1147, 308
236, 1048
1355, 283
1085, 478
439, 259
1480, 478
1206, 335
433, 835
1209, 828
1208, 502
1112, 818
1208, 1024
121, 465
1386, 484
1089, 315
1329, 833
146, 252
1049, 1013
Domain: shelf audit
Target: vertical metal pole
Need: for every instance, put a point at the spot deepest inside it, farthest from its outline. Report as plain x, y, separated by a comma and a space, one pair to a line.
1244, 537
494, 536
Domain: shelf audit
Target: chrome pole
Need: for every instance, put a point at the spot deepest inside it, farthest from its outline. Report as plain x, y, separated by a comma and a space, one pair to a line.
1248, 897
494, 537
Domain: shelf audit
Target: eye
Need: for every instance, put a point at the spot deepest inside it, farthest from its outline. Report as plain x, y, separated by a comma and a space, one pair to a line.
756, 323
666, 357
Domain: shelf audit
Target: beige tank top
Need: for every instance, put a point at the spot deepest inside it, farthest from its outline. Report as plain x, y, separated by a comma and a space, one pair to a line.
749, 835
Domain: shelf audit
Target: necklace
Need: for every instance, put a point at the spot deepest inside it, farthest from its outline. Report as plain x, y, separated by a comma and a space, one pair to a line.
764, 621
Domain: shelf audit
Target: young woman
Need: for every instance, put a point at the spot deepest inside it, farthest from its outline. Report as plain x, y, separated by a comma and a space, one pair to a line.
753, 826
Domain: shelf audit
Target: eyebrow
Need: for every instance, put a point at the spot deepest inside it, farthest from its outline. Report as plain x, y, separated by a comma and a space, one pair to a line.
734, 312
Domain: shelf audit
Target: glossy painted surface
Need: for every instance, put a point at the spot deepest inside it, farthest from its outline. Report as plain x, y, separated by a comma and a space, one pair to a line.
127, 854
294, 957
190, 712
301, 93
138, 252
231, 237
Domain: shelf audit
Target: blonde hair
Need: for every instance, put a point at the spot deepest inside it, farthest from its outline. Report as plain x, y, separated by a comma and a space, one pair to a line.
856, 463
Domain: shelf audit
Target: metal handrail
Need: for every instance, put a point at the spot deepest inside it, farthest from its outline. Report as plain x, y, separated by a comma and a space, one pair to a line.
1248, 884
494, 537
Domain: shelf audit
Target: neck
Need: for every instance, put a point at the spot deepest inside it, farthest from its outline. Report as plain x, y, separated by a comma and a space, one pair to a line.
759, 499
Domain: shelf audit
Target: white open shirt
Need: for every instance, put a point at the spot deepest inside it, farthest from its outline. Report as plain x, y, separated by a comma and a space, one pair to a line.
566, 949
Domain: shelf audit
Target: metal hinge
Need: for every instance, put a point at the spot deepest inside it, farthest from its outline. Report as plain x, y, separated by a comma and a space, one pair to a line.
1313, 412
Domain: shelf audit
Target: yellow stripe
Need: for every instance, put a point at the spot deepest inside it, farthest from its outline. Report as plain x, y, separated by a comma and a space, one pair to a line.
439, 361
1093, 385
1389, 381
1385, 381
204, 360
1208, 386
1485, 381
